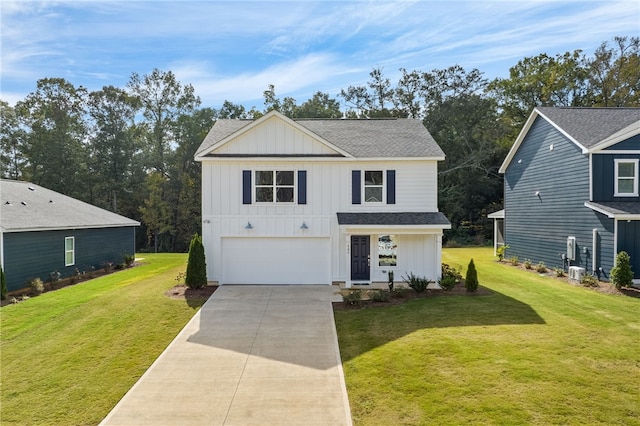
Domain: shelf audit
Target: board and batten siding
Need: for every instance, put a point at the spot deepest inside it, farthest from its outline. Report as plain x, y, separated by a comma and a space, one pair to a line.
328, 191
275, 137
28, 255
537, 226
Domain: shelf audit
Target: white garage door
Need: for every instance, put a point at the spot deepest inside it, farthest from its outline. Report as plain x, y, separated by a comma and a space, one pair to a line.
276, 261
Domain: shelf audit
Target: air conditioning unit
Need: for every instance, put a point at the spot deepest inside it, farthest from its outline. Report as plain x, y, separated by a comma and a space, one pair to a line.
576, 273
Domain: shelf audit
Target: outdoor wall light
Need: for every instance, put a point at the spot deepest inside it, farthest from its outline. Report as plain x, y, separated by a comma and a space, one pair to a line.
537, 194
248, 226
304, 226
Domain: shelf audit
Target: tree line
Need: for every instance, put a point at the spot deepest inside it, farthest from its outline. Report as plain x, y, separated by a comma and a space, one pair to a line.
130, 150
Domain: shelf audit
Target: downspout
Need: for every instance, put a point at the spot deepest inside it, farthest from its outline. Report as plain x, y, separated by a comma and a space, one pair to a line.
594, 250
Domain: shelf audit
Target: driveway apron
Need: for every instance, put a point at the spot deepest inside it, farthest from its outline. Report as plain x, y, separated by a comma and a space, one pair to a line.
252, 355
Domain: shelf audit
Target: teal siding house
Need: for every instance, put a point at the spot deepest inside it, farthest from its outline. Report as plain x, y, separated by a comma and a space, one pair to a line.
571, 189
42, 231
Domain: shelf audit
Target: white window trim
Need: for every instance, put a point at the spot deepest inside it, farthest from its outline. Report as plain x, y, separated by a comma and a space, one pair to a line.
384, 187
274, 186
619, 161
72, 251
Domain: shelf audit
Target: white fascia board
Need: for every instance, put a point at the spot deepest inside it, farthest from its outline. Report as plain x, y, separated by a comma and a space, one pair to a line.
610, 215
628, 132
284, 158
394, 229
523, 133
202, 155
518, 142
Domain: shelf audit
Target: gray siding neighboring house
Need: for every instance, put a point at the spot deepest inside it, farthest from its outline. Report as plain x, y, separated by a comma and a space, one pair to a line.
42, 231
560, 182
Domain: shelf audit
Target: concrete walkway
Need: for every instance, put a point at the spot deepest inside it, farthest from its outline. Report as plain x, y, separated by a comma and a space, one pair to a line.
253, 355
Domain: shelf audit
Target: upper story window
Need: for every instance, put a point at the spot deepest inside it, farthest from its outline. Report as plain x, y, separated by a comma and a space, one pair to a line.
626, 179
373, 186
69, 251
274, 186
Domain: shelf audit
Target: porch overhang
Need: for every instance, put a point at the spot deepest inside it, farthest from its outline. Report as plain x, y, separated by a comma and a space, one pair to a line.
394, 222
619, 210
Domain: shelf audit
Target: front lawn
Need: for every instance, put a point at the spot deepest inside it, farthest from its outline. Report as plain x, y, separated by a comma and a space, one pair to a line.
536, 351
68, 356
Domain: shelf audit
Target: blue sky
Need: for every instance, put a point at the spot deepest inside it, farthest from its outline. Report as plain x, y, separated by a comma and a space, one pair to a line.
234, 50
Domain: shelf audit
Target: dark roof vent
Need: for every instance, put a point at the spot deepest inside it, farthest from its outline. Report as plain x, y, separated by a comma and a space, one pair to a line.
8, 203
31, 188
23, 203
50, 201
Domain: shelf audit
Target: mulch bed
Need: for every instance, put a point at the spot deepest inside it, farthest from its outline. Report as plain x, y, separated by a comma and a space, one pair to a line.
409, 294
182, 292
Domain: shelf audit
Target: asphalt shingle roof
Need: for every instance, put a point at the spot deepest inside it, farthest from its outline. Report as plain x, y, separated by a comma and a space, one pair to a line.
29, 207
396, 218
619, 207
589, 126
372, 138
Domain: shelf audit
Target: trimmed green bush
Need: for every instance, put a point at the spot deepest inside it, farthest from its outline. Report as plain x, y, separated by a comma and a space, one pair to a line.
196, 266
352, 298
418, 284
380, 295
3, 285
621, 274
471, 280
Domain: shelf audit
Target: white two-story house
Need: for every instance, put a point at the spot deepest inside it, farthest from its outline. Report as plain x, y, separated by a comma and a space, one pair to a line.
317, 201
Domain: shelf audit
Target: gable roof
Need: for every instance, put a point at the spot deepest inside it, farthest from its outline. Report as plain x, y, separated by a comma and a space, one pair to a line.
591, 129
29, 207
371, 138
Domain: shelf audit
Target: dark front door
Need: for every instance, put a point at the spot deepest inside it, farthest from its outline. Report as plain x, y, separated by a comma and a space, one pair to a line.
360, 258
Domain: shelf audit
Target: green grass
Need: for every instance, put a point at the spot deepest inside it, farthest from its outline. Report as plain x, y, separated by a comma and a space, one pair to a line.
536, 351
68, 356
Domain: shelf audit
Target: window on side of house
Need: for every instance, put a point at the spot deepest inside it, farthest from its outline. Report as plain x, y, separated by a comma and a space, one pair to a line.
69, 251
387, 251
275, 186
373, 186
626, 178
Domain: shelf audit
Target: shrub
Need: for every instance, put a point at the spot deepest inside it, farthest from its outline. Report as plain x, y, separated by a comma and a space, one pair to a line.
54, 277
447, 282
418, 284
196, 265
128, 259
589, 280
621, 274
380, 295
36, 286
541, 268
500, 251
3, 285
352, 298
119, 267
14, 301
107, 266
559, 272
514, 260
448, 270
471, 279
527, 264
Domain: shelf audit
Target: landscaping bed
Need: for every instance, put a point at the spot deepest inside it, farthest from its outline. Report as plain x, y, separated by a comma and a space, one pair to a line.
404, 295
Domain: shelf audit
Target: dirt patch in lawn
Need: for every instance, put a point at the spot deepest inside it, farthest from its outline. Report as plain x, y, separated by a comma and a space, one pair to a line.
182, 292
404, 295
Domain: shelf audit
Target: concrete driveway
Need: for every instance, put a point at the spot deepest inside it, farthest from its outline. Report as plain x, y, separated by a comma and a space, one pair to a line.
253, 355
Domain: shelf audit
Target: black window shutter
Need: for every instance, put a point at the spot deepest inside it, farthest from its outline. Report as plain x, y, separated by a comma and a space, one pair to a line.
246, 187
355, 187
391, 186
302, 187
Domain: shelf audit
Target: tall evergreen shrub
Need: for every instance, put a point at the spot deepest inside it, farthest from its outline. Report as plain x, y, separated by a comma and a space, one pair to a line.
471, 280
621, 274
3, 285
196, 267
